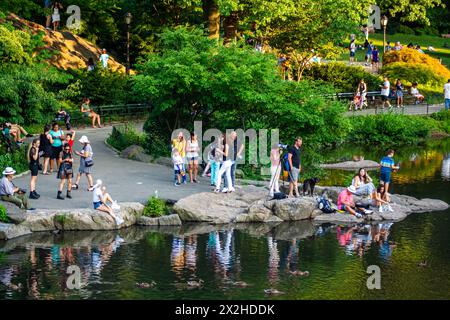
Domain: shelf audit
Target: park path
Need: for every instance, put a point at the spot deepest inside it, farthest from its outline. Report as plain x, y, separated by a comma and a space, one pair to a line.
421, 109
126, 180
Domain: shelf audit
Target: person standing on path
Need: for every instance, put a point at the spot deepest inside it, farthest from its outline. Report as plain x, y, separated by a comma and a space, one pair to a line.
352, 49
180, 144
224, 150
387, 164
104, 58
86, 163
447, 95
399, 93
294, 165
238, 148
385, 91
362, 90
45, 148
375, 59
192, 154
58, 137
34, 167
65, 171
10, 193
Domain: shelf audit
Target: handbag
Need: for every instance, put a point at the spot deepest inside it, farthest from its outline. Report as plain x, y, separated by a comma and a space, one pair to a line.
88, 162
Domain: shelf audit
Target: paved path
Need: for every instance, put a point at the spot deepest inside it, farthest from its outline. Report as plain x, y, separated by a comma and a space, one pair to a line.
421, 109
126, 180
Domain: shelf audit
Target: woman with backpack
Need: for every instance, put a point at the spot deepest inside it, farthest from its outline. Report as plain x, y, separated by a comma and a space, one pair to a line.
45, 148
86, 163
65, 171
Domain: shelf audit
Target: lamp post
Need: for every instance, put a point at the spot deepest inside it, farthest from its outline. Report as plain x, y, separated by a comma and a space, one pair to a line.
128, 17
384, 22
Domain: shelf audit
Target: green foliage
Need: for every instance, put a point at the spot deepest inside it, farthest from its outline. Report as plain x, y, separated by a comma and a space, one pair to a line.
408, 11
18, 160
124, 136
393, 129
405, 29
155, 207
343, 77
3, 214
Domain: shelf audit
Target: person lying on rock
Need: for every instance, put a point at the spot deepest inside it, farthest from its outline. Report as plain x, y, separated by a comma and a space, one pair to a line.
101, 199
10, 193
346, 203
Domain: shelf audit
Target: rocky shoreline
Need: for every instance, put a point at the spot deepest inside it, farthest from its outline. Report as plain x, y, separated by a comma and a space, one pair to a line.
249, 204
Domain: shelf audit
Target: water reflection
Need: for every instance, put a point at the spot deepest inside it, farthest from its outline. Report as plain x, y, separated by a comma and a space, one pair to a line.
446, 167
358, 240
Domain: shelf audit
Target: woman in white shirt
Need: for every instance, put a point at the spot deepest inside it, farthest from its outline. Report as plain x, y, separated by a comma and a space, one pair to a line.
223, 150
192, 154
100, 200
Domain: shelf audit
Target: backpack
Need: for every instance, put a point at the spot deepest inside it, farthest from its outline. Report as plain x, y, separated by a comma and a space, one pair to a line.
285, 162
325, 205
279, 196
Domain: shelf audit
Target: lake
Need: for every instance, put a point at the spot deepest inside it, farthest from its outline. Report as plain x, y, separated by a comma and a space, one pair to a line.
413, 255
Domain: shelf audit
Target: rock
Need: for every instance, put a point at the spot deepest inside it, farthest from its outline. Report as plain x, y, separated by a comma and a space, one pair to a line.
147, 221
293, 209
351, 165
10, 231
258, 212
136, 153
337, 218
170, 220
164, 161
15, 214
273, 219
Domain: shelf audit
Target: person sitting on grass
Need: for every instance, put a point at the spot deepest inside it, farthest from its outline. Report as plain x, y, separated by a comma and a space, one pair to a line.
178, 167
101, 199
346, 203
10, 193
380, 199
415, 92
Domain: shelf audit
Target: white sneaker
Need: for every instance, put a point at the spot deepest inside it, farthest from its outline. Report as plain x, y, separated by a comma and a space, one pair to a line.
366, 211
380, 210
224, 190
119, 221
115, 206
358, 215
231, 190
390, 208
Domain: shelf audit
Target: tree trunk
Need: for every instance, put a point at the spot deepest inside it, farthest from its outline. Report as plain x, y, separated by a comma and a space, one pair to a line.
230, 25
212, 15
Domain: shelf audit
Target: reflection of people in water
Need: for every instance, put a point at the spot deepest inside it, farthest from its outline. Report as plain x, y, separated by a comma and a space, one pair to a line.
221, 252
446, 167
184, 254
290, 256
274, 260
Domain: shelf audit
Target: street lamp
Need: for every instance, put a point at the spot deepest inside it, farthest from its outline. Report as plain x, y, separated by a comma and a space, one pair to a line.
128, 17
384, 22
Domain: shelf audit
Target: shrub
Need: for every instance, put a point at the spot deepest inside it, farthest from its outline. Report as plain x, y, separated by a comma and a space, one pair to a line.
344, 78
3, 214
155, 207
124, 136
18, 160
409, 73
405, 29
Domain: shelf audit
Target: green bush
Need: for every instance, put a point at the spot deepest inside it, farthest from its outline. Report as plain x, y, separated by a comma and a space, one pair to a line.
3, 214
405, 29
124, 136
18, 160
155, 207
344, 78
391, 129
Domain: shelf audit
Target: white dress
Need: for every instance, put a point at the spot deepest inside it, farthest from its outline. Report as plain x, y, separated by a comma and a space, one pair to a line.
56, 16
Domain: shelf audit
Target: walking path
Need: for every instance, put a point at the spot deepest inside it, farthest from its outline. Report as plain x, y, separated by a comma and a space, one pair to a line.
126, 180
421, 109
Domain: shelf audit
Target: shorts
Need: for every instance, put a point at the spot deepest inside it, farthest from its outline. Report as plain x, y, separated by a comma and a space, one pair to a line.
342, 207
384, 98
55, 152
294, 174
97, 205
192, 159
399, 94
385, 177
352, 54
177, 172
34, 168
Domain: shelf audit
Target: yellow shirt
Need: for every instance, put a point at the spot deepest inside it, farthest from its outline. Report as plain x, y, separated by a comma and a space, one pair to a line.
180, 146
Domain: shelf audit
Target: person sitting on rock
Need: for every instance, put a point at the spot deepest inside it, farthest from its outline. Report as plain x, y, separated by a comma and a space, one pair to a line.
101, 199
346, 203
380, 199
363, 183
10, 193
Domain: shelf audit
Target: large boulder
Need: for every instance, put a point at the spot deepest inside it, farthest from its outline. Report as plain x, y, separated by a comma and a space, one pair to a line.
169, 220
15, 214
10, 231
137, 153
295, 209
351, 165
337, 218
81, 219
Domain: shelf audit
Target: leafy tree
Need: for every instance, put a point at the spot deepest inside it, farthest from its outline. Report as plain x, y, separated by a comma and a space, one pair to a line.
410, 11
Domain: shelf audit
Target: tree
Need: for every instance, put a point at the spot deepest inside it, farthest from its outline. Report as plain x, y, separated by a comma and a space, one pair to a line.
410, 11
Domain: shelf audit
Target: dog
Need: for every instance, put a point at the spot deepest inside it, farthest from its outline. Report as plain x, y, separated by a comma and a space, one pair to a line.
309, 185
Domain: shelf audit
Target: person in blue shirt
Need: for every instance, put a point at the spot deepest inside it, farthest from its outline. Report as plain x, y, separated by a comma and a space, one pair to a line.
387, 164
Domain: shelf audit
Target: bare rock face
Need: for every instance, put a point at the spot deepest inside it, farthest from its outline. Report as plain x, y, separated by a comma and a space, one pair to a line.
295, 209
10, 231
170, 220
337, 218
351, 165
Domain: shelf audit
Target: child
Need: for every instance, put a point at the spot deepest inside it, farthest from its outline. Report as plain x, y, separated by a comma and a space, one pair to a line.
178, 167
387, 164
70, 138
380, 199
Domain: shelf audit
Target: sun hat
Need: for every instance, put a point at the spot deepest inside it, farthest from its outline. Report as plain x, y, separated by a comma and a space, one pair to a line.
352, 189
84, 139
8, 171
98, 184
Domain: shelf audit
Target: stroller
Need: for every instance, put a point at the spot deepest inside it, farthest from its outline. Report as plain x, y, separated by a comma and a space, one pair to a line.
357, 102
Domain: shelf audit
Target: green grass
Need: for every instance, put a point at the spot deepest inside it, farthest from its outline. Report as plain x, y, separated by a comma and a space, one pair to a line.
424, 42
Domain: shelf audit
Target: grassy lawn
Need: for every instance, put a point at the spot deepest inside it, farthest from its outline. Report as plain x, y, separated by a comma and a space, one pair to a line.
424, 42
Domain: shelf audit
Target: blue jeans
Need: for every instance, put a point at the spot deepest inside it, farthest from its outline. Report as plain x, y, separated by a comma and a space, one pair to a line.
447, 104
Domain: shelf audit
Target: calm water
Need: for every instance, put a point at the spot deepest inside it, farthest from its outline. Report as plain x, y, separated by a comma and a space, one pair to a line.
337, 257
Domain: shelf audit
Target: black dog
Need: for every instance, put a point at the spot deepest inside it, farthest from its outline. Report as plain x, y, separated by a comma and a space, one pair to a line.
309, 185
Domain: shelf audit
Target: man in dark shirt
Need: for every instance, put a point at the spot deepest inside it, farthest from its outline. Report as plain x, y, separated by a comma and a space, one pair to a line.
294, 165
